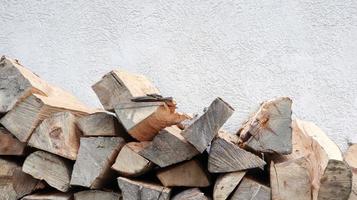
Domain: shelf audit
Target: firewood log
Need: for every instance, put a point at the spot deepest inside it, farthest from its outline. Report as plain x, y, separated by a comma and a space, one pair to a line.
269, 129
250, 189
190, 194
169, 147
9, 145
49, 196
226, 183
119, 86
133, 190
205, 128
95, 157
351, 159
129, 162
97, 195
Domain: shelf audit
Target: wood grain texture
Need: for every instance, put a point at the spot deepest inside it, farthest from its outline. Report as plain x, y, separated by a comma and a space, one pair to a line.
226, 183
49, 196
97, 195
190, 194
350, 158
134, 190
250, 189
169, 147
10, 145
95, 157
202, 131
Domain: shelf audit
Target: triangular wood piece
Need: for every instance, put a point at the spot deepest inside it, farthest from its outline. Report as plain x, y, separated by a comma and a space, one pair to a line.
190, 194
96, 195
49, 196
250, 189
202, 131
226, 183
351, 159
269, 129
10, 145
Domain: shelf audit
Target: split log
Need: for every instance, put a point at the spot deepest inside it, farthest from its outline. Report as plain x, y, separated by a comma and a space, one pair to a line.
57, 134
27, 115
96, 195
169, 147
225, 156
269, 130
133, 190
129, 162
205, 128
49, 196
250, 189
119, 86
53, 169
95, 157
187, 174
350, 158
190, 194
226, 183
143, 120
9, 145
14, 183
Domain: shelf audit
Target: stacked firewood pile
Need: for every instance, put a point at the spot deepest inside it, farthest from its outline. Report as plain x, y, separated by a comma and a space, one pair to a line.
54, 147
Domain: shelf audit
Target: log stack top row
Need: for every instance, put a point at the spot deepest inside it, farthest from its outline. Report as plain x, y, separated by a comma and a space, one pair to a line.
139, 147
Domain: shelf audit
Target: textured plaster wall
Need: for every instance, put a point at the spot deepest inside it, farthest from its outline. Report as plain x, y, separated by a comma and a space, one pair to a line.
244, 51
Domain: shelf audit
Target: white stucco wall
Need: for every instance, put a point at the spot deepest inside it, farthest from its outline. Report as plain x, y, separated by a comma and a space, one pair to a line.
244, 51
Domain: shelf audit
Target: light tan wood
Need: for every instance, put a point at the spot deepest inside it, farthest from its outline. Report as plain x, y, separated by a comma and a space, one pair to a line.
190, 194
49, 196
250, 189
9, 145
351, 158
129, 162
187, 174
226, 183
97, 195
119, 86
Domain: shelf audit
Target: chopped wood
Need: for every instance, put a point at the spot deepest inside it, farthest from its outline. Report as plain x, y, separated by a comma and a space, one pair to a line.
250, 189
10, 145
129, 162
144, 120
205, 128
169, 147
119, 86
350, 158
133, 190
188, 174
190, 194
57, 134
269, 130
226, 183
51, 168
95, 157
96, 195
49, 196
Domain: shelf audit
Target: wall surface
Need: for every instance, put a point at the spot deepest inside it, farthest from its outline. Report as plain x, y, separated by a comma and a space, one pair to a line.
243, 51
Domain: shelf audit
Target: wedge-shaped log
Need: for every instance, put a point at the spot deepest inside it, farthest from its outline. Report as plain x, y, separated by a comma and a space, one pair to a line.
169, 147
96, 195
190, 194
56, 171
119, 86
27, 115
9, 145
202, 131
351, 159
250, 189
129, 162
225, 156
133, 190
57, 134
269, 129
95, 157
15, 183
144, 120
49, 196
187, 174
226, 183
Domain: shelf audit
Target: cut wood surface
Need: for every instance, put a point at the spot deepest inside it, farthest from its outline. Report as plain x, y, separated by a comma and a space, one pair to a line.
187, 174
226, 183
169, 147
96, 195
269, 129
250, 189
144, 120
129, 162
202, 131
14, 183
10, 145
57, 134
351, 159
225, 156
134, 190
119, 86
95, 157
190, 194
49, 196
56, 171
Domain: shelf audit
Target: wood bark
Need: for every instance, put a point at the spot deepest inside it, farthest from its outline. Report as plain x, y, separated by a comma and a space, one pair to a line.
190, 194
95, 157
96, 195
129, 162
49, 196
250, 189
51, 168
226, 183
134, 190
269, 129
351, 159
119, 86
168, 147
10, 145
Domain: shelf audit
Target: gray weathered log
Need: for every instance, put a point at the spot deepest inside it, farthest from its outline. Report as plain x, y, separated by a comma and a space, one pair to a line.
10, 145
226, 183
49, 196
190, 194
97, 195
250, 189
